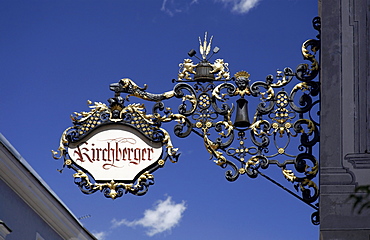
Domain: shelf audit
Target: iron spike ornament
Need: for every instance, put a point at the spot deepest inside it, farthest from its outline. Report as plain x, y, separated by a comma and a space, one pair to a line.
283, 132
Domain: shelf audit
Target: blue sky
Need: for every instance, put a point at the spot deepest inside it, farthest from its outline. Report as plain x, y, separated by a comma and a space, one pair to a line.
56, 55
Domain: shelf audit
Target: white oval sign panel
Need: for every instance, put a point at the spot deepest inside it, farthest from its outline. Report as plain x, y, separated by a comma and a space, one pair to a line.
115, 152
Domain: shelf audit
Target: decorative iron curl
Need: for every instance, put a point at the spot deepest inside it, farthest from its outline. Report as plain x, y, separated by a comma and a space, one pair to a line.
82, 180
217, 96
305, 101
260, 129
267, 104
178, 90
309, 50
179, 128
315, 218
309, 190
284, 78
142, 185
229, 135
232, 174
301, 165
254, 163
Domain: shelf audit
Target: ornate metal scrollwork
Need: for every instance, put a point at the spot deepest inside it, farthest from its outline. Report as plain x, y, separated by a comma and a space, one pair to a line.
248, 146
284, 111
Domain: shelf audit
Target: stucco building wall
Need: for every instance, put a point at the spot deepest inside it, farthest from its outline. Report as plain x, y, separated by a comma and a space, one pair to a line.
344, 116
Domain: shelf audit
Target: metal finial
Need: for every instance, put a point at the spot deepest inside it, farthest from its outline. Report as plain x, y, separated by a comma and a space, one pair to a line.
204, 48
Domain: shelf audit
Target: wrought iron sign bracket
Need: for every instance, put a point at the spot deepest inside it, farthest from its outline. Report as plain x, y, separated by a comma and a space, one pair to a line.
131, 143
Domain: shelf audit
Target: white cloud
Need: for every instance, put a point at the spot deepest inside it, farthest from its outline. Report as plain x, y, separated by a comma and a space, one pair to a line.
171, 7
163, 217
100, 235
241, 6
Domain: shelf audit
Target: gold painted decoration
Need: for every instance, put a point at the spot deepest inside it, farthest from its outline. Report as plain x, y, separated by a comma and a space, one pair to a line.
186, 68
221, 68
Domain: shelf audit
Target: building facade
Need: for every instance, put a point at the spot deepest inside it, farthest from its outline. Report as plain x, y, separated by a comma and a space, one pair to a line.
344, 117
29, 209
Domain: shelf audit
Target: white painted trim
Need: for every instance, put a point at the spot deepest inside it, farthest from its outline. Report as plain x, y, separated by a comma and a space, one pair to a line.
4, 230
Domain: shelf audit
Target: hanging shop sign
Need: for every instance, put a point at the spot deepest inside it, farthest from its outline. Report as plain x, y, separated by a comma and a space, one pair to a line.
115, 148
